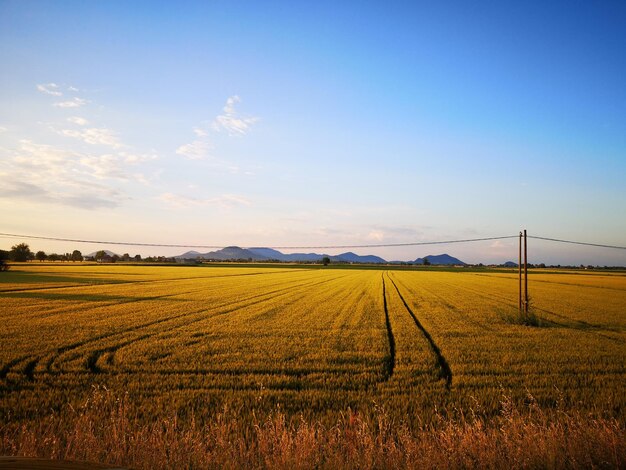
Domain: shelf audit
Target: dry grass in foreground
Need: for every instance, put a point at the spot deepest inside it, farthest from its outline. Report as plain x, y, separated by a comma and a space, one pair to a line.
103, 431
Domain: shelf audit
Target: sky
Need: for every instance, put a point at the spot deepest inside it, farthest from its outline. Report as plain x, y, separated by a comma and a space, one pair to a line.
315, 123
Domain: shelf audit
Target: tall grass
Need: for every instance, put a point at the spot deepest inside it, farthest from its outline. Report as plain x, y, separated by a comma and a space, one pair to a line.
105, 430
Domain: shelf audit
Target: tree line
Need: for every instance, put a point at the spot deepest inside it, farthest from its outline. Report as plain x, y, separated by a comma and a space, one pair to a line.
22, 253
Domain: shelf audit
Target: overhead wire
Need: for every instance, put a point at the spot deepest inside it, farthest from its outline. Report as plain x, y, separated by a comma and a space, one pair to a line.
308, 247
600, 245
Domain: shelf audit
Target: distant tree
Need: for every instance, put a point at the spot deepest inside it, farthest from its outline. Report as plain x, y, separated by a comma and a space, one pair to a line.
137, 257
426, 262
125, 257
41, 255
115, 258
77, 255
4, 256
325, 260
99, 255
21, 252
54, 257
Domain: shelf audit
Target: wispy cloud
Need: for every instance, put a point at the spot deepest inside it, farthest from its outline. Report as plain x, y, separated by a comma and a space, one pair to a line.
225, 201
94, 136
3, 129
50, 89
72, 88
196, 150
85, 199
376, 235
73, 103
115, 166
46, 174
200, 132
230, 121
79, 121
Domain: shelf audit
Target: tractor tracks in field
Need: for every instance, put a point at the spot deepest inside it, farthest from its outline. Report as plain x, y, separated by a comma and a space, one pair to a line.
390, 362
445, 371
144, 281
119, 338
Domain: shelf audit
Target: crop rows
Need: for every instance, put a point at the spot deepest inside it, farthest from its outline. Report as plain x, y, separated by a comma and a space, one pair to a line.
312, 341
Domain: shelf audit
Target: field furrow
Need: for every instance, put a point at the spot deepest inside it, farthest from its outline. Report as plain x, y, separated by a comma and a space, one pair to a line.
312, 341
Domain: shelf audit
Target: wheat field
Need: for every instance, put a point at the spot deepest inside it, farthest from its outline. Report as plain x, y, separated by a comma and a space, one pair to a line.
315, 345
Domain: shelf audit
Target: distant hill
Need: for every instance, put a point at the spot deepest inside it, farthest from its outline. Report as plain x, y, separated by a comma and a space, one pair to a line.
510, 264
225, 254
444, 259
267, 254
92, 255
354, 258
271, 254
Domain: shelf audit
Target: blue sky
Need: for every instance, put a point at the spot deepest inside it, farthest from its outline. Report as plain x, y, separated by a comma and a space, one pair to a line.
275, 123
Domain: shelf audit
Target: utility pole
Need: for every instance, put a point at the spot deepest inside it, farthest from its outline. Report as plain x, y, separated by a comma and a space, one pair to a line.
519, 273
525, 274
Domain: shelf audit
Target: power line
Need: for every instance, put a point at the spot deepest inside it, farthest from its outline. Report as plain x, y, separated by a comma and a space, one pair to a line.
578, 243
167, 245
384, 245
316, 247
102, 242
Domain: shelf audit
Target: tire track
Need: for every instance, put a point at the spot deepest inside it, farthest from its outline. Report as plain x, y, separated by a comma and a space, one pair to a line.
6, 368
390, 361
578, 325
446, 372
145, 281
244, 303
94, 357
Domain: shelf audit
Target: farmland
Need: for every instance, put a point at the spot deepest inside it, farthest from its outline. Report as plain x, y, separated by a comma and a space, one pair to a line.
310, 340
312, 343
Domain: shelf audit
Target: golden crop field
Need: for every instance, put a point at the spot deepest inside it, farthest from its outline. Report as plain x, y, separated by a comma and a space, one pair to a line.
313, 342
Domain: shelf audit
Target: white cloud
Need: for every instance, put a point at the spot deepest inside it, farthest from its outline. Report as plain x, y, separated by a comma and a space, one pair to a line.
50, 89
225, 201
3, 129
46, 174
134, 159
94, 136
377, 235
230, 121
114, 166
73, 103
200, 132
86, 199
79, 121
196, 150
72, 88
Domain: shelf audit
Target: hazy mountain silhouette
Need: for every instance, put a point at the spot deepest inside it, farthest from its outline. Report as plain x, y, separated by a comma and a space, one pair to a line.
110, 253
354, 258
267, 254
444, 259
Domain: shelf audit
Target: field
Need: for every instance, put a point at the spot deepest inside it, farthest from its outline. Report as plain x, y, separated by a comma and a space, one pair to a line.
417, 347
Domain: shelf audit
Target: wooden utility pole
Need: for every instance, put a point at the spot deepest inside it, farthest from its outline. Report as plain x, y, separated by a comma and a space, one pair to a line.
525, 274
519, 273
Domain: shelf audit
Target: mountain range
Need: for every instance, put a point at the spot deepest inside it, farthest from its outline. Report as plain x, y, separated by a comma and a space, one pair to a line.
269, 254
444, 259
